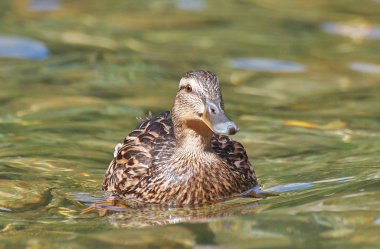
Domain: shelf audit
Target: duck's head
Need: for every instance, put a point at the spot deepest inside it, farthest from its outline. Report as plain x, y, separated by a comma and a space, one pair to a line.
199, 104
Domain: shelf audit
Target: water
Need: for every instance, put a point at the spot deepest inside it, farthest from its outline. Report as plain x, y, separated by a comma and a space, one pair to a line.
300, 78
22, 48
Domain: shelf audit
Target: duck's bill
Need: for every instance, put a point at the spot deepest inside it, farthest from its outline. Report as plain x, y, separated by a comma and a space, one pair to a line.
215, 118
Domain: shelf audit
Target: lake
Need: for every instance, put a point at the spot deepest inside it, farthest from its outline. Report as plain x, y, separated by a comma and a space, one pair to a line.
300, 78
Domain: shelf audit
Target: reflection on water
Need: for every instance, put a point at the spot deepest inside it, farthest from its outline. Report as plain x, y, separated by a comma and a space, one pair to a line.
44, 5
365, 67
190, 4
305, 185
154, 216
126, 215
291, 187
354, 31
267, 65
301, 79
377, 221
22, 48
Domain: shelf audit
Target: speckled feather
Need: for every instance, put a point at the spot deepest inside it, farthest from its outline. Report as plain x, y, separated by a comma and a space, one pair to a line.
144, 169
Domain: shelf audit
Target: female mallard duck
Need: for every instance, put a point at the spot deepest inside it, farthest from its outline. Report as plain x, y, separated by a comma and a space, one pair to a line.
187, 159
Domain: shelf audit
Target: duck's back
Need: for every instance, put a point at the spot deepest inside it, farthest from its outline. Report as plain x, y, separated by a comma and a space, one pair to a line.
144, 160
152, 138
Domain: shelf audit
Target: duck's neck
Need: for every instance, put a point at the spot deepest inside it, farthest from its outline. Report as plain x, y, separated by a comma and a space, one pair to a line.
192, 136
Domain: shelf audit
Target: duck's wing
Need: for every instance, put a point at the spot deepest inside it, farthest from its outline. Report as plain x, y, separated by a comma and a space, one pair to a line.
133, 158
235, 156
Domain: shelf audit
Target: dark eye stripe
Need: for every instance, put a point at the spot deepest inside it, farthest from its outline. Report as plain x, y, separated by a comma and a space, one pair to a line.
187, 87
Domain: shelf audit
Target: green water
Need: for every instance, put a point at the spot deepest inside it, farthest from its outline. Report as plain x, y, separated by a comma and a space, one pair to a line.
311, 124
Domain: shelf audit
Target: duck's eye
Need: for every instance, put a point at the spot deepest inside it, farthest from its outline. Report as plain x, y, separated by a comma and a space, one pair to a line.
188, 89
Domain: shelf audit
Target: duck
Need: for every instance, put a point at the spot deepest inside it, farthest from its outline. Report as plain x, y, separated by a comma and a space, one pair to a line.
183, 157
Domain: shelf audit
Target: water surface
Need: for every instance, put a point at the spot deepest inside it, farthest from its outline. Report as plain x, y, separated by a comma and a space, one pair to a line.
301, 78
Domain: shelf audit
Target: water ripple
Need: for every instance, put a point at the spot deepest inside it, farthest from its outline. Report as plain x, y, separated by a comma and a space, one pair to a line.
377, 221
22, 48
267, 65
290, 187
354, 31
364, 67
44, 5
193, 5
306, 185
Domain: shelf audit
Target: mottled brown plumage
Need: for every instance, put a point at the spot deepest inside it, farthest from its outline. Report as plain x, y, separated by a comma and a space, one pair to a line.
185, 159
